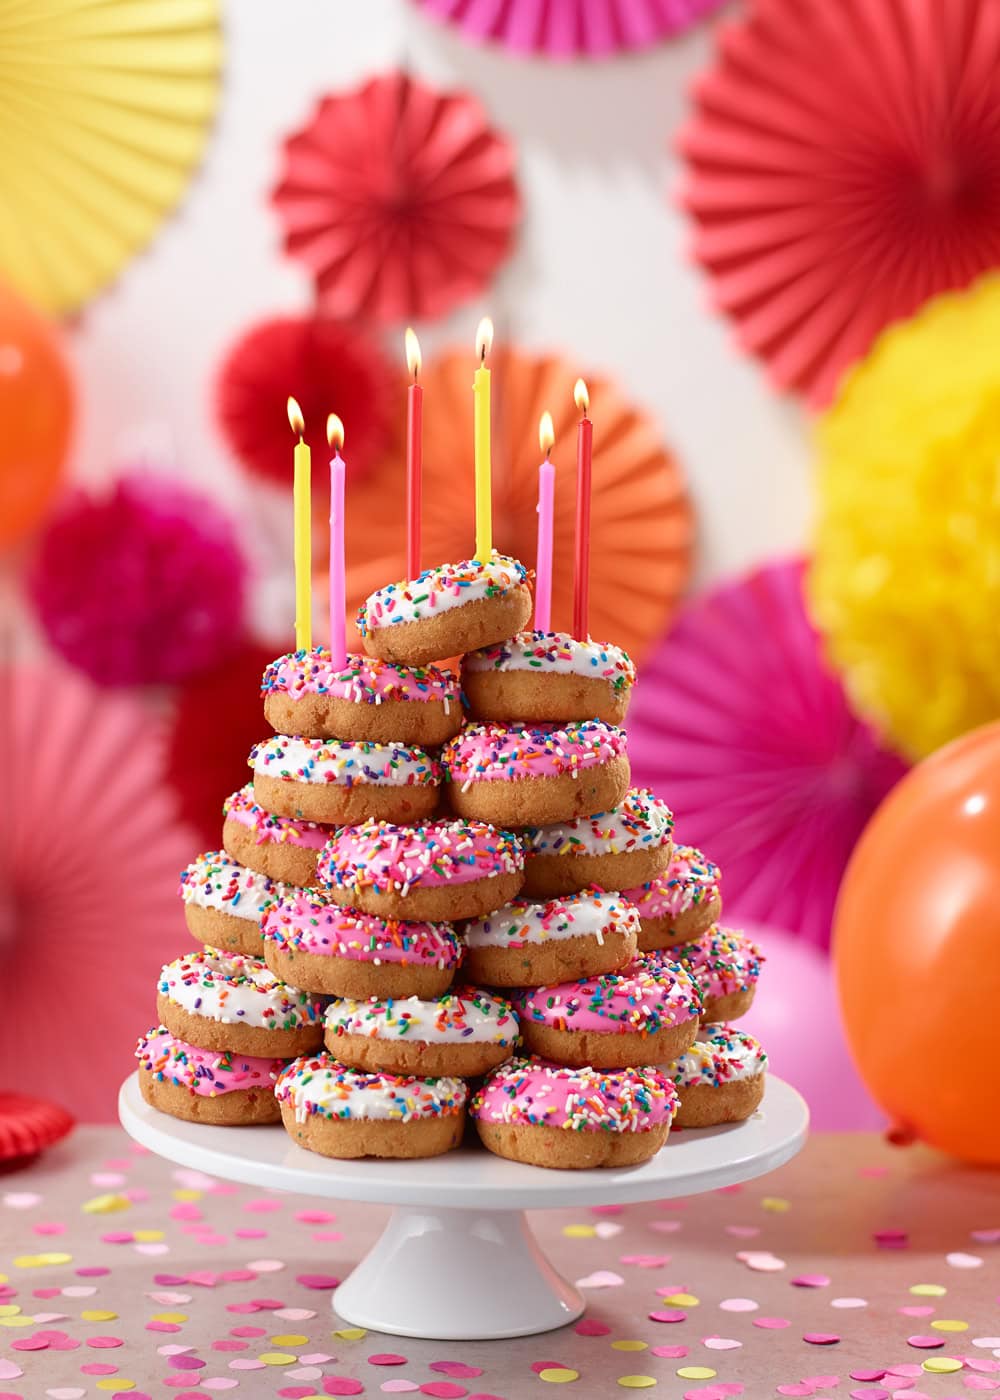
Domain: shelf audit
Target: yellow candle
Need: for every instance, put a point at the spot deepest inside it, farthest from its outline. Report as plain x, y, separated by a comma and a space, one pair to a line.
481, 438
302, 497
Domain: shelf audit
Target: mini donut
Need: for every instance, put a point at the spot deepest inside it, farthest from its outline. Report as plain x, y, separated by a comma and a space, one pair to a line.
464, 1033
549, 1115
539, 676
338, 781
531, 943
725, 964
340, 1112
527, 777
446, 611
206, 1086
720, 1079
615, 850
224, 902
615, 1021
281, 847
367, 698
313, 943
679, 905
225, 1001
443, 870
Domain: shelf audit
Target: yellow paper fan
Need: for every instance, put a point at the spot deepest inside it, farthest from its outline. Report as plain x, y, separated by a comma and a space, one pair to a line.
104, 110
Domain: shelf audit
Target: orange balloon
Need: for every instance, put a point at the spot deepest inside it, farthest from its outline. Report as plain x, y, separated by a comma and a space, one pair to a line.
36, 413
916, 949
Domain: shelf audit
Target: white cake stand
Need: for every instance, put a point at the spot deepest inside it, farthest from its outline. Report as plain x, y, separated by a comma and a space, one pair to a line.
457, 1260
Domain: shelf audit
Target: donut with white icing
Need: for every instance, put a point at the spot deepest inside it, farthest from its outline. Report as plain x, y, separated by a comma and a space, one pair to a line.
720, 1079
340, 1112
224, 902
539, 677
679, 905
465, 1033
440, 870
225, 1001
725, 964
366, 698
615, 850
206, 1086
446, 611
282, 848
550, 1115
315, 943
530, 943
339, 781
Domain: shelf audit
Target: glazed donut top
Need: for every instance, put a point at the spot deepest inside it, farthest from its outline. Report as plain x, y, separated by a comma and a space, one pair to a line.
615, 1101
689, 881
464, 1017
319, 1084
392, 859
639, 999
721, 961
241, 807
640, 822
214, 881
499, 752
439, 590
234, 989
340, 762
206, 1073
720, 1055
590, 914
558, 653
365, 680
307, 921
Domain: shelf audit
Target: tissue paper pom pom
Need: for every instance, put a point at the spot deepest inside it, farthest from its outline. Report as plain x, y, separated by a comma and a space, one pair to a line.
144, 585
29, 1125
326, 365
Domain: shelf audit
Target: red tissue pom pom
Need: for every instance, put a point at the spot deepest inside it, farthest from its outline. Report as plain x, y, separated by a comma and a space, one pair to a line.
28, 1126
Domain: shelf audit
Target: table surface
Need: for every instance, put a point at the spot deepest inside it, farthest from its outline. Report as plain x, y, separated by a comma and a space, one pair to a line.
858, 1269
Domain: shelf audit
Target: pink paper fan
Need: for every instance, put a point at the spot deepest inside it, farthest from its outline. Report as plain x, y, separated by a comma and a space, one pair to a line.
738, 723
843, 167
400, 199
94, 850
563, 29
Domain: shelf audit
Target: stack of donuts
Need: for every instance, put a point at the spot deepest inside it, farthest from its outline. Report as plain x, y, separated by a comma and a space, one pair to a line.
441, 902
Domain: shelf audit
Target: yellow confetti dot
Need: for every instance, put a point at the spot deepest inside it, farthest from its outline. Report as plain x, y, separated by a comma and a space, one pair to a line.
4, 1278
9, 1309
942, 1365
776, 1203
170, 1317
290, 1339
186, 1193
38, 1261
21, 1321
696, 1373
106, 1204
629, 1346
928, 1290
115, 1383
558, 1375
148, 1236
277, 1358
949, 1324
682, 1300
351, 1334
97, 1315
579, 1232
636, 1382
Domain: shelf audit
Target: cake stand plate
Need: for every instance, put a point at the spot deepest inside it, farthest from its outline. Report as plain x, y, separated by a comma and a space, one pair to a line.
457, 1260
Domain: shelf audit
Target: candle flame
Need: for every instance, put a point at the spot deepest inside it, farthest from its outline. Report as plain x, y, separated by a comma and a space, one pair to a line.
413, 360
334, 432
484, 338
581, 397
546, 433
295, 419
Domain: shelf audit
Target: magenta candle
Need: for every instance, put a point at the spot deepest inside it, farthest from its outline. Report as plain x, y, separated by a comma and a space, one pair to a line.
581, 569
546, 509
338, 573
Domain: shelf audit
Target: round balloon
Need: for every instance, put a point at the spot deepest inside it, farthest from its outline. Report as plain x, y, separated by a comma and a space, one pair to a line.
917, 949
36, 411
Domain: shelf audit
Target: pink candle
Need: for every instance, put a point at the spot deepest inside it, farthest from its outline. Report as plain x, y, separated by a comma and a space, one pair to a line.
414, 456
338, 579
546, 508
581, 571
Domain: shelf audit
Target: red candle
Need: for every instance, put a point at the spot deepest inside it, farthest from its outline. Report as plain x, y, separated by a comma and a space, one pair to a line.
584, 462
414, 455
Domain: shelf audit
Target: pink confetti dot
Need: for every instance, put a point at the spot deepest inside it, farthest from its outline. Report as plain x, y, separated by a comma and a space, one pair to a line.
811, 1281
262, 1205
250, 1234
868, 1375
444, 1390
771, 1323
458, 1370
399, 1385
721, 1343
267, 1304
848, 1302
98, 1368
386, 1358
907, 1370
925, 1343
891, 1239
117, 1237
246, 1363
877, 1394
228, 1344
238, 1275
674, 1353
590, 1327
93, 1271
318, 1281
248, 1332
100, 1342
821, 1382
738, 1305
917, 1310
342, 1385
668, 1315
820, 1339
296, 1392
189, 1363
798, 1388
265, 1266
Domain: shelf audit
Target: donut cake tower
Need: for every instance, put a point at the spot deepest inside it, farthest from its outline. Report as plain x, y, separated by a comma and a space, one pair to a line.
440, 904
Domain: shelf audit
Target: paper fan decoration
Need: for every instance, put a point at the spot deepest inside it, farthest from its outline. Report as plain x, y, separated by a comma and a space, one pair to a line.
27, 1126
105, 113
401, 200
844, 166
740, 726
562, 29
93, 853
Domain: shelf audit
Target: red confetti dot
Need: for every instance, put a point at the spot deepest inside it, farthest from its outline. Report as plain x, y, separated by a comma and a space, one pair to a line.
342, 1385
820, 1339
538, 1366
386, 1358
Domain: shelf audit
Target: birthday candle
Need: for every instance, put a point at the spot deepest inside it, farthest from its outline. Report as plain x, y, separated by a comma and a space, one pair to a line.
338, 583
482, 444
414, 455
302, 505
546, 503
581, 562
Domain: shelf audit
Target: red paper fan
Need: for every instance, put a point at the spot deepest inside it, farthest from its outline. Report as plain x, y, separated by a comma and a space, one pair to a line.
328, 366
28, 1126
401, 200
844, 166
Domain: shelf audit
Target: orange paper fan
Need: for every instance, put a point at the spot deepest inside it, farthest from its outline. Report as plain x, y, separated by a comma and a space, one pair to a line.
642, 518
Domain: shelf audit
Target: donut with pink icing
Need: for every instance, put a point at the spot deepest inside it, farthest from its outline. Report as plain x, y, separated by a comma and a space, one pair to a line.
640, 1016
313, 942
530, 943
551, 1115
206, 1086
679, 905
282, 848
720, 1079
464, 1033
224, 902
618, 849
546, 677
367, 698
440, 870
341, 781
516, 776
725, 964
